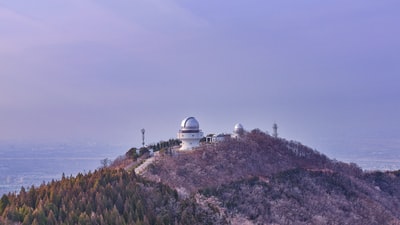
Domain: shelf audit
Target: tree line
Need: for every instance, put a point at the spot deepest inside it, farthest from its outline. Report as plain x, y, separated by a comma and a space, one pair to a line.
103, 197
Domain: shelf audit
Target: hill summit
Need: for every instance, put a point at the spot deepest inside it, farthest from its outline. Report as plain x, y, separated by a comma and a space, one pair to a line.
255, 154
260, 179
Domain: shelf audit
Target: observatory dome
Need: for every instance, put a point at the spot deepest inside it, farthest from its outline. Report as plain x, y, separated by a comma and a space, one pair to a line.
238, 128
190, 123
190, 133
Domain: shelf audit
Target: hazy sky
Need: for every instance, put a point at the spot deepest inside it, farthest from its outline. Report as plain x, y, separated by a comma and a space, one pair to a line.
327, 72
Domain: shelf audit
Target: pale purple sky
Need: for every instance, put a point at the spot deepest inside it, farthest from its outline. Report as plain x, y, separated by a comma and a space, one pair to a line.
327, 72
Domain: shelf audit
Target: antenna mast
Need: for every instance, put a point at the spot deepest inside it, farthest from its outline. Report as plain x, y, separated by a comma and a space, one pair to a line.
142, 130
275, 132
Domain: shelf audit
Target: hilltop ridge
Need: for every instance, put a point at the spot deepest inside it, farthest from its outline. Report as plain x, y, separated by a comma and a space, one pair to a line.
255, 154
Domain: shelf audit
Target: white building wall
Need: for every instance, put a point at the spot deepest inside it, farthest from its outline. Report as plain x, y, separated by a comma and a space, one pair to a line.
190, 140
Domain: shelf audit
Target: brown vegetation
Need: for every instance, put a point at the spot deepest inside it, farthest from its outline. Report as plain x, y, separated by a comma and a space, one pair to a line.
256, 154
260, 179
257, 179
103, 197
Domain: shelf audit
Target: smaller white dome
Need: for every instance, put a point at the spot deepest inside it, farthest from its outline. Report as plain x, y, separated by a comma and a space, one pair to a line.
190, 123
238, 129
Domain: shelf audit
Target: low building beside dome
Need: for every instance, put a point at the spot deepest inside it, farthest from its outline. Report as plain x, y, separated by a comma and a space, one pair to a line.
190, 133
221, 137
238, 132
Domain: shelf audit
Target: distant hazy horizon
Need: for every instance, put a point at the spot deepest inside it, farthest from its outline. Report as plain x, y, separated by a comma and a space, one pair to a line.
327, 72
26, 164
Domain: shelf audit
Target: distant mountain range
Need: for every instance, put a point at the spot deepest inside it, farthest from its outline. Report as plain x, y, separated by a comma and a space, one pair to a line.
257, 179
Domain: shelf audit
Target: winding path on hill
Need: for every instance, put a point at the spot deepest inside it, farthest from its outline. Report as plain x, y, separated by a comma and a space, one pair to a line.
140, 169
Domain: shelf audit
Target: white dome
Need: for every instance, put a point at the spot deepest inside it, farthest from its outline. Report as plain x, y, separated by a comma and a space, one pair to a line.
190, 123
238, 128
190, 134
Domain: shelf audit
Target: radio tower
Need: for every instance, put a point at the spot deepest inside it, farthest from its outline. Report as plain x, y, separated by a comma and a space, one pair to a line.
275, 132
142, 130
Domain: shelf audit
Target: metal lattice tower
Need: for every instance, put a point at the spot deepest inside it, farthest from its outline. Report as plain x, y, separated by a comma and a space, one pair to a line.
142, 130
275, 130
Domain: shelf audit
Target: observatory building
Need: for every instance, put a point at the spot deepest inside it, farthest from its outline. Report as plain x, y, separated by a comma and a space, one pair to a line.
238, 131
190, 133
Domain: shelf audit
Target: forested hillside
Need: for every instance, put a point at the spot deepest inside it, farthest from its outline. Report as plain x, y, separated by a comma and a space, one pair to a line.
257, 179
301, 196
103, 197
